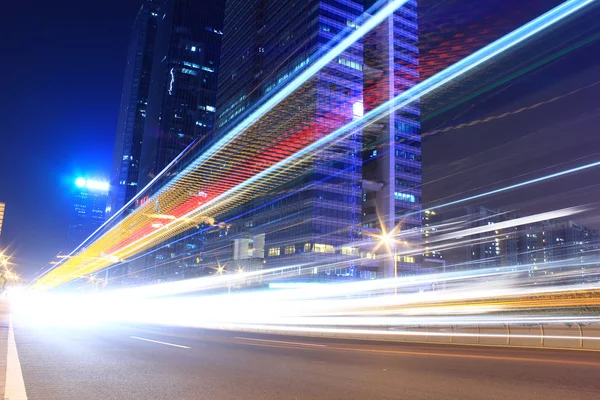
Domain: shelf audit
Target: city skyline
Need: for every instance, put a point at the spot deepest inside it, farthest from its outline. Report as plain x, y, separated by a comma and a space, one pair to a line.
61, 178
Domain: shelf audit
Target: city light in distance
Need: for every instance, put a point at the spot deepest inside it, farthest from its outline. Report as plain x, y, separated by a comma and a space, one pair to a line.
92, 184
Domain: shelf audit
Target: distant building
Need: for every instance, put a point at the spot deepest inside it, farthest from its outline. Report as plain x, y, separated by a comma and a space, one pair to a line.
543, 244
536, 249
2, 208
87, 212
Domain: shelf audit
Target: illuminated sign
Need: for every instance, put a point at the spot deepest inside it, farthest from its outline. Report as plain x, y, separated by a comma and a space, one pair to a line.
91, 184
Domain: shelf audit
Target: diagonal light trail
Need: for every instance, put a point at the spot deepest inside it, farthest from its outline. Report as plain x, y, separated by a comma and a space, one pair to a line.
124, 241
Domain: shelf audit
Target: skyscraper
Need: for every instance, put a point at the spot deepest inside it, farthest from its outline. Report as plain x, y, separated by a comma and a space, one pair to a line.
134, 107
392, 146
88, 211
182, 97
169, 94
317, 219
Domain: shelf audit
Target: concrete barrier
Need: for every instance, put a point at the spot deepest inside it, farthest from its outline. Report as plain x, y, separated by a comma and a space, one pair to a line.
563, 336
465, 335
591, 336
419, 334
440, 334
494, 334
557, 336
525, 335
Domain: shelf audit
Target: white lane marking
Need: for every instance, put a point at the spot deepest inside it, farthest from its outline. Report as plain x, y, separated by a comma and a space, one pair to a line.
156, 341
14, 388
281, 341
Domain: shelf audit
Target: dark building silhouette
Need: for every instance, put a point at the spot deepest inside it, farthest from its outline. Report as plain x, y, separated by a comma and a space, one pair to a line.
169, 93
125, 179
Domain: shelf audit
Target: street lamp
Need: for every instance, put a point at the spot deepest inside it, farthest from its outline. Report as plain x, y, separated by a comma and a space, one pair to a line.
390, 243
3, 260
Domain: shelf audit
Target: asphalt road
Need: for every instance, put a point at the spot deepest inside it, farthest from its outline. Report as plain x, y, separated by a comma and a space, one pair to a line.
120, 363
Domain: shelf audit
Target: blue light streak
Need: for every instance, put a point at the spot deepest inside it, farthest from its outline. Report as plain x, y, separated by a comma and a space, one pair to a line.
452, 72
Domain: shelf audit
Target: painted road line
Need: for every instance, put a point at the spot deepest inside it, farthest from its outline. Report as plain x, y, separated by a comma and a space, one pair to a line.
159, 342
281, 341
15, 385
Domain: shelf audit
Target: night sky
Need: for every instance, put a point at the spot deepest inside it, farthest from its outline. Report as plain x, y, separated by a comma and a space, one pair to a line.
62, 73
63, 65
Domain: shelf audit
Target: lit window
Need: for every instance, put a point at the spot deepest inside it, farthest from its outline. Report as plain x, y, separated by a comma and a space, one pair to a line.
289, 250
405, 197
349, 63
193, 48
349, 251
189, 71
352, 24
324, 248
307, 247
274, 251
191, 65
210, 108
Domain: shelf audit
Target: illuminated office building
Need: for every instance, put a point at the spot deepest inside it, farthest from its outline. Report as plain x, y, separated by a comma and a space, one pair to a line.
316, 219
392, 166
88, 211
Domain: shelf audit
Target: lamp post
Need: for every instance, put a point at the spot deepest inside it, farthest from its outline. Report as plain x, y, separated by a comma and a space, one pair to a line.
389, 241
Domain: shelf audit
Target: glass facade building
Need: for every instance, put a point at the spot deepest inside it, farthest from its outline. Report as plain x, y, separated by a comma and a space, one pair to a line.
169, 94
392, 145
317, 219
182, 96
87, 213
134, 108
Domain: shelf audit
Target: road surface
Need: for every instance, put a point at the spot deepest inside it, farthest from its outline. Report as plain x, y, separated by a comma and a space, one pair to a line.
153, 362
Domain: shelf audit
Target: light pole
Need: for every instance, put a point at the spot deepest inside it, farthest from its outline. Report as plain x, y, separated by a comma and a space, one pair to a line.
389, 241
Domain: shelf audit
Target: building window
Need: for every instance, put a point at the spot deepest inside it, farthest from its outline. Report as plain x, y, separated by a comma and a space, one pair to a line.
405, 197
289, 250
409, 259
349, 63
324, 248
349, 251
274, 251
